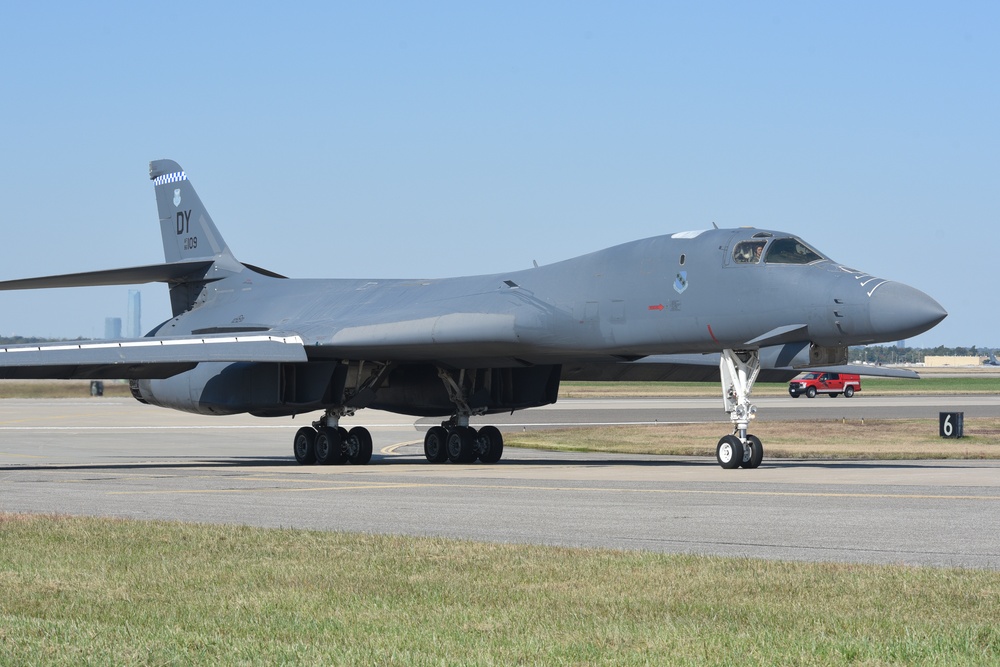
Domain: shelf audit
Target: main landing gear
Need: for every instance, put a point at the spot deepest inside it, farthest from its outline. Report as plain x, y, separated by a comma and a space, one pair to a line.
739, 370
455, 440
463, 444
327, 443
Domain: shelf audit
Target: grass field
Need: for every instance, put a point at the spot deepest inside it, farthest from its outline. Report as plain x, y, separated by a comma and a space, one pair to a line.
77, 591
834, 439
59, 388
86, 591
870, 387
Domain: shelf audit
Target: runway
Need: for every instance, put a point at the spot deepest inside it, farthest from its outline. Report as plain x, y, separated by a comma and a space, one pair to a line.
117, 458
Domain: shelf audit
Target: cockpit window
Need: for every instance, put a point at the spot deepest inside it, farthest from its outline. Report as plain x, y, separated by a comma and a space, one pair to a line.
791, 251
748, 252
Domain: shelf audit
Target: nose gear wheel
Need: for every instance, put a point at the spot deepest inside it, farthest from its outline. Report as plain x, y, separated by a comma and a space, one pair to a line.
739, 370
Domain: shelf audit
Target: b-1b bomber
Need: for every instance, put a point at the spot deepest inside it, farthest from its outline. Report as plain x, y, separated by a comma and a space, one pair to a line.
242, 339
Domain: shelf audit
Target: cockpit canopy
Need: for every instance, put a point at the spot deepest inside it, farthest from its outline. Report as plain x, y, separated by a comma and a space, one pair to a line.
786, 250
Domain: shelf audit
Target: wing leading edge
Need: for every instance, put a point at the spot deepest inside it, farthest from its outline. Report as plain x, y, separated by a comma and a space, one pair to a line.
144, 358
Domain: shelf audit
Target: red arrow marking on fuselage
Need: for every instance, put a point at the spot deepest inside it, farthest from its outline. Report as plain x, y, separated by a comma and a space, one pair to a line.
657, 307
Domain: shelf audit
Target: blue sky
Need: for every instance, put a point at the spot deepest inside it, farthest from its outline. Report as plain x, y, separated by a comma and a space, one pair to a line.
434, 139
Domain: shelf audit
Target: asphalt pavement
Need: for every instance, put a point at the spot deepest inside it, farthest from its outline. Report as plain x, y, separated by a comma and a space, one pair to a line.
117, 458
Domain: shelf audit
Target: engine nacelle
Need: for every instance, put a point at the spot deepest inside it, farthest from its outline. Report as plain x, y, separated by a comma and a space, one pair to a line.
273, 390
214, 389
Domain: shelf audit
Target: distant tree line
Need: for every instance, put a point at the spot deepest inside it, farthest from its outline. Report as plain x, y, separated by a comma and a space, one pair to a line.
890, 354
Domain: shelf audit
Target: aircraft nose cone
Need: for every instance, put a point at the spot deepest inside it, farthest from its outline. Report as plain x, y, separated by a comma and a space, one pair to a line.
899, 311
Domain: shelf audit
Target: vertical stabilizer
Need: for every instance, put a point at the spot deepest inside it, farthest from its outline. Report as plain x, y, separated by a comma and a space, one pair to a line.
187, 228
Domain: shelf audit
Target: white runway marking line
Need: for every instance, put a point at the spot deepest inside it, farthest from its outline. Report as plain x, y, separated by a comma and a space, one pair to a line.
348, 486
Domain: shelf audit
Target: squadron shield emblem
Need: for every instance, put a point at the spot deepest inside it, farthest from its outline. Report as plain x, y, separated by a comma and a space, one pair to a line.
177, 197
681, 282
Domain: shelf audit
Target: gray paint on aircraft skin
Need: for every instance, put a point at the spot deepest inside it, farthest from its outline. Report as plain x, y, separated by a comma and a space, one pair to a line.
538, 320
617, 302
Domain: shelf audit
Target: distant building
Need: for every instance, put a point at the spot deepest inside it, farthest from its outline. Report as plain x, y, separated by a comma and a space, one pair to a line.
133, 320
112, 328
952, 361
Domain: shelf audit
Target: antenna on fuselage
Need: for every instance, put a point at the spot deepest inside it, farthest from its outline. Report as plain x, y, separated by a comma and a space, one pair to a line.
714, 225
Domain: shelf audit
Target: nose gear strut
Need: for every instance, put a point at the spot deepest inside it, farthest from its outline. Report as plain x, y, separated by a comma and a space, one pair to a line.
739, 370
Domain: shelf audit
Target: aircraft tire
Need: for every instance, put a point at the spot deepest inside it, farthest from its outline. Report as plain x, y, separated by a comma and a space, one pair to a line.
494, 444
729, 452
436, 444
756, 453
329, 446
304, 445
461, 448
361, 445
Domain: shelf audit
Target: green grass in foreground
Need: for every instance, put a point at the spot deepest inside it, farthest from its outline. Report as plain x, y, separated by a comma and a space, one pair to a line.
89, 591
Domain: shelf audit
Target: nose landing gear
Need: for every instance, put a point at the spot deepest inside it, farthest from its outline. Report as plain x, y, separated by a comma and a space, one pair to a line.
739, 370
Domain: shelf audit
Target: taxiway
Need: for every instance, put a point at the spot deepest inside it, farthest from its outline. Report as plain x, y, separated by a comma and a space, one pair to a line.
112, 457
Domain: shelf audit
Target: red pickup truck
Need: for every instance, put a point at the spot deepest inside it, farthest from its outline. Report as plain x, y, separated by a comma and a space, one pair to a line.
834, 384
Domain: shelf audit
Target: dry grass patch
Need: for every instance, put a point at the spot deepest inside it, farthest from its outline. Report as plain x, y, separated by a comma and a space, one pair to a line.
870, 387
59, 388
840, 439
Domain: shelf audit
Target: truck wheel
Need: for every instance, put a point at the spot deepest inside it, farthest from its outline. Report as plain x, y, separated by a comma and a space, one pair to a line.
811, 392
848, 392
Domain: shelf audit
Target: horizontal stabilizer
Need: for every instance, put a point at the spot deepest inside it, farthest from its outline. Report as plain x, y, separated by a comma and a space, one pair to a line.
144, 357
135, 275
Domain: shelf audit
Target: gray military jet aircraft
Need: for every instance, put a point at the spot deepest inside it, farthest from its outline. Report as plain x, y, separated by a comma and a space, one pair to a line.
243, 339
